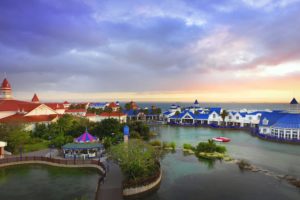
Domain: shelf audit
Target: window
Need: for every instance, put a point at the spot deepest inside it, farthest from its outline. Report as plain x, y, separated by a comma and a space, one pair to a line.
281, 131
237, 117
288, 136
230, 117
281, 135
265, 122
250, 118
214, 115
295, 135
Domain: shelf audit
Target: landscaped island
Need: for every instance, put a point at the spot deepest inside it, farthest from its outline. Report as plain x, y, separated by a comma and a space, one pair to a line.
207, 150
139, 164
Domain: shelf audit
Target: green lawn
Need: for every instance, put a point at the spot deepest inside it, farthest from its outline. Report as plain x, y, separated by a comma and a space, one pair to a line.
36, 146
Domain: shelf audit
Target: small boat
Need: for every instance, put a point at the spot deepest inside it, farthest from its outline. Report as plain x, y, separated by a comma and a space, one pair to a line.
221, 139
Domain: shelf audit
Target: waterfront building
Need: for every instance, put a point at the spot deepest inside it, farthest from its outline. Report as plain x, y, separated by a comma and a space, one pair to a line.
99, 105
114, 106
77, 112
121, 117
282, 125
28, 113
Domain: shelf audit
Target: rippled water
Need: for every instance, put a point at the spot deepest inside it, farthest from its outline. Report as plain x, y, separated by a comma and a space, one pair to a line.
34, 182
185, 177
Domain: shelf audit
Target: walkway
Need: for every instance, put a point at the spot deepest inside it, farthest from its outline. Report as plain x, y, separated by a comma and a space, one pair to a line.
112, 187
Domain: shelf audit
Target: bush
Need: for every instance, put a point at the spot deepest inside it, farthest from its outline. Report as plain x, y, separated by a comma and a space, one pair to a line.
170, 145
210, 147
134, 134
173, 145
136, 159
188, 146
155, 143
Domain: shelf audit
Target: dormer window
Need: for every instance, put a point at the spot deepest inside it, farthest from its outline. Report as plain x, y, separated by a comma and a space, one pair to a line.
237, 117
265, 122
214, 115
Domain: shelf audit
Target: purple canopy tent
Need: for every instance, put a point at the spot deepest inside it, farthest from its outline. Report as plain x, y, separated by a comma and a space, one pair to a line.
86, 138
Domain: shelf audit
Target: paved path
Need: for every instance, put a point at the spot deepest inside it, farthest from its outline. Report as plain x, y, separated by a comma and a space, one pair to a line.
112, 187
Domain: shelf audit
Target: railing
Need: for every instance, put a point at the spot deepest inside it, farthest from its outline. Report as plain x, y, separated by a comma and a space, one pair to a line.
51, 160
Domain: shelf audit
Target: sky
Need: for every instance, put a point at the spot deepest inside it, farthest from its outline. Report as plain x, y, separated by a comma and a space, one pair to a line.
158, 50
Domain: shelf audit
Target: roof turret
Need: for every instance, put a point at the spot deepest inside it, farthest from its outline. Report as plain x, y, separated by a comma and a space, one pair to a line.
294, 101
35, 99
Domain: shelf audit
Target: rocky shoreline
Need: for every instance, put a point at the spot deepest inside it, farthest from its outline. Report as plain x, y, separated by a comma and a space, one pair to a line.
244, 165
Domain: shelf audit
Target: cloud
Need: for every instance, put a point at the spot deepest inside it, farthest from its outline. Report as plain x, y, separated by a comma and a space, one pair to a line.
136, 46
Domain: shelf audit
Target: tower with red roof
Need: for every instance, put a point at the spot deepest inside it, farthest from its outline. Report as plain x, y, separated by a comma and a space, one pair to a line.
6, 92
35, 99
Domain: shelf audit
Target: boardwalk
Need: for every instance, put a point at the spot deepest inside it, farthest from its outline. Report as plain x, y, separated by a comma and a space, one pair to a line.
112, 187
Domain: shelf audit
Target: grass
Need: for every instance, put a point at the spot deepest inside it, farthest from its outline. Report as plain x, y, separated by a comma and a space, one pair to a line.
213, 155
36, 146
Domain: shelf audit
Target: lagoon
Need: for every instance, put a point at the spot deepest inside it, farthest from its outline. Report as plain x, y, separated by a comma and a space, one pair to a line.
47, 182
186, 177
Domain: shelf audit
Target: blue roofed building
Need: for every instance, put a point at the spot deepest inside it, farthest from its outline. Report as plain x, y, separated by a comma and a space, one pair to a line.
282, 125
98, 105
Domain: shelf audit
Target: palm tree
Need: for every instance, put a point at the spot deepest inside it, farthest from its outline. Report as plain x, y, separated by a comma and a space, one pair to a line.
224, 114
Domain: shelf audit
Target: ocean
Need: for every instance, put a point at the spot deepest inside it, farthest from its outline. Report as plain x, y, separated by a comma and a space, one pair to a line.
227, 106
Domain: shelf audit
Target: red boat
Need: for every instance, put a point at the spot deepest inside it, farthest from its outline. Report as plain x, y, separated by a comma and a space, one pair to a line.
221, 139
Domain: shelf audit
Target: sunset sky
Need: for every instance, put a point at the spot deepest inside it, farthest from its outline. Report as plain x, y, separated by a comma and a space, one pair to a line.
158, 50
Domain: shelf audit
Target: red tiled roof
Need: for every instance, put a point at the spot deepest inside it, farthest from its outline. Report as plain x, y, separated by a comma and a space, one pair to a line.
15, 105
5, 84
35, 99
55, 106
113, 105
75, 110
66, 102
112, 114
90, 114
28, 119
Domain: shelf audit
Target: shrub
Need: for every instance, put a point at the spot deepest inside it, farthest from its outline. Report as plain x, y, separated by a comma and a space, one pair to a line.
155, 143
136, 159
210, 147
134, 134
188, 146
173, 145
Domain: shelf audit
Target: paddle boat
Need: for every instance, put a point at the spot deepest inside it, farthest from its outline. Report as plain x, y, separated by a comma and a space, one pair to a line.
221, 139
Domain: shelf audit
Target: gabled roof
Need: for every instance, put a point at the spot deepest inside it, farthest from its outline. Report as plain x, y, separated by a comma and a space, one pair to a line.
55, 106
113, 105
15, 105
28, 119
217, 110
294, 101
271, 117
196, 102
182, 114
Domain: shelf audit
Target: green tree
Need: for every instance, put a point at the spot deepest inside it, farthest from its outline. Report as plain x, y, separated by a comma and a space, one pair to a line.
136, 159
224, 114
